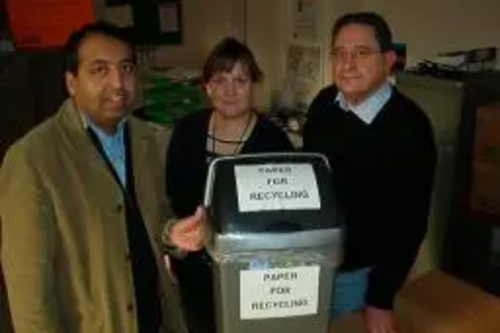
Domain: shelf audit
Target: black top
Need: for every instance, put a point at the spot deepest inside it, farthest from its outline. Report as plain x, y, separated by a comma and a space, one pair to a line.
188, 159
187, 166
383, 175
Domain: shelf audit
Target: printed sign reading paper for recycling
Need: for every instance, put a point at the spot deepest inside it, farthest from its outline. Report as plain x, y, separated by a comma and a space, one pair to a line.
276, 187
279, 292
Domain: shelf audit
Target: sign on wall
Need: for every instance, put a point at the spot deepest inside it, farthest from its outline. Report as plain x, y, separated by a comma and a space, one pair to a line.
149, 22
47, 23
304, 53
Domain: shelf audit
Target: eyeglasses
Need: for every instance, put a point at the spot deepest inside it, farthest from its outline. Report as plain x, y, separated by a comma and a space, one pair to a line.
357, 53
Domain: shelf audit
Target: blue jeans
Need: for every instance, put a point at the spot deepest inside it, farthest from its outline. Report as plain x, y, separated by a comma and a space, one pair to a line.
348, 292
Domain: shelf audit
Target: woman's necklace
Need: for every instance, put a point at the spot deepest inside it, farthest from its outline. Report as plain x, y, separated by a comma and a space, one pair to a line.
238, 143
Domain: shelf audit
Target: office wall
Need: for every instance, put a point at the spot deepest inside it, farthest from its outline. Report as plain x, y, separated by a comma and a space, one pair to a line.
427, 26
265, 31
204, 22
430, 26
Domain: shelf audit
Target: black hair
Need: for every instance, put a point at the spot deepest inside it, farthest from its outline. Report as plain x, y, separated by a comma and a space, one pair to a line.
75, 40
226, 54
383, 33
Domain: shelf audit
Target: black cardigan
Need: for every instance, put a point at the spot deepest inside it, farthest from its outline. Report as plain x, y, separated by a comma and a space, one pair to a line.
187, 157
383, 174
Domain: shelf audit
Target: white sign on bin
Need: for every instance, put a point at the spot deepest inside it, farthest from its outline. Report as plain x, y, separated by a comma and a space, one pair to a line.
279, 292
268, 187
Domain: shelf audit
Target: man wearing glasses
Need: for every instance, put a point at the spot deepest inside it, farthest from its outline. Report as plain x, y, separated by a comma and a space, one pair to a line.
82, 206
381, 149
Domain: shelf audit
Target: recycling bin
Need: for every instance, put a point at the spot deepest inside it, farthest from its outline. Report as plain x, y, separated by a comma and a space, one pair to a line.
275, 241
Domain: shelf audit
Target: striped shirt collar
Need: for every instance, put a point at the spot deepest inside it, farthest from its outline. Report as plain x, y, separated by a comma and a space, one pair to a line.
369, 108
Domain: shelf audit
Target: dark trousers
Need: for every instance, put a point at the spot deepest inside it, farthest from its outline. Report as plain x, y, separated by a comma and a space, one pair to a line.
194, 273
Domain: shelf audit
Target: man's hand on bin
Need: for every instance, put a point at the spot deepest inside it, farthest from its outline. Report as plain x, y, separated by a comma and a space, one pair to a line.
187, 233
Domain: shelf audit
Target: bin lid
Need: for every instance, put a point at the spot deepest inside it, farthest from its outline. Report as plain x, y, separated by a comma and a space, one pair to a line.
271, 193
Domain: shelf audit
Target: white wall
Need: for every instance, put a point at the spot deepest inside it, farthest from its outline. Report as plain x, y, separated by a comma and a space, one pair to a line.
427, 26
431, 26
204, 23
265, 29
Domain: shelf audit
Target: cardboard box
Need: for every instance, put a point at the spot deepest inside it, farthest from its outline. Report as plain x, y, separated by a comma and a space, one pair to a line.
436, 303
485, 189
440, 303
487, 136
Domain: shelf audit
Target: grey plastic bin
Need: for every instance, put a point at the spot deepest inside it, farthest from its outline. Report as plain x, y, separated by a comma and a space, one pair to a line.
275, 242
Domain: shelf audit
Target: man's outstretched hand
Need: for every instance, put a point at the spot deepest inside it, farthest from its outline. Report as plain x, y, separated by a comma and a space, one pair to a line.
187, 233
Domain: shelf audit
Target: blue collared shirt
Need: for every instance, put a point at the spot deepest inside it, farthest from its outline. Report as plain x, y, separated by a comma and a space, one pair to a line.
369, 108
113, 146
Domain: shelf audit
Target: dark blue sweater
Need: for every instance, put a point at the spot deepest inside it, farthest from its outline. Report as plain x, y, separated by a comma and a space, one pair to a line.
383, 175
